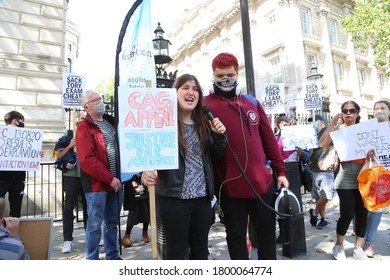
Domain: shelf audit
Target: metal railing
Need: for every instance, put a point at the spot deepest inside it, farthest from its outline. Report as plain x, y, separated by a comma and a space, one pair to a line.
43, 193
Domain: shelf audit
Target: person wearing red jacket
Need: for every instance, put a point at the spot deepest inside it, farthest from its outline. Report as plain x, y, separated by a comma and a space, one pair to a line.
252, 140
97, 156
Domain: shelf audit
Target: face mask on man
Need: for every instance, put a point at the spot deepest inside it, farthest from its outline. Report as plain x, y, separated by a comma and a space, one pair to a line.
226, 84
382, 114
225, 87
99, 108
315, 125
20, 124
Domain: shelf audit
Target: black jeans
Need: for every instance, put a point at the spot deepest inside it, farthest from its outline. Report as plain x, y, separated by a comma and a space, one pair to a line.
236, 212
72, 189
186, 223
15, 196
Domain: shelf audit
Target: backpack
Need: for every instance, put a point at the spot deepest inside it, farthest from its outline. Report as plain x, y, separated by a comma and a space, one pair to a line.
69, 160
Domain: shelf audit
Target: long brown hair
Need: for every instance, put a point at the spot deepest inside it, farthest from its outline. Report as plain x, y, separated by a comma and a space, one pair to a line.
197, 115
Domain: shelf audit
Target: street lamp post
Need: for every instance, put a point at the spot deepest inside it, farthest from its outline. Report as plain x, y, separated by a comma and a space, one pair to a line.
162, 58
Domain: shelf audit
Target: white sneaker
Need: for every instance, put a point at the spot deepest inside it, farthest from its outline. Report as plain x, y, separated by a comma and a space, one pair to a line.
359, 254
338, 253
67, 247
369, 250
101, 243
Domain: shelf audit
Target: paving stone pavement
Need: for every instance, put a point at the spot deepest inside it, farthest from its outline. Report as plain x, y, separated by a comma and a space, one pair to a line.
319, 243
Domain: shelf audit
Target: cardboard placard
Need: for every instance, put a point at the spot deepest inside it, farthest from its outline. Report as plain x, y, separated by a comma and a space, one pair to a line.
36, 236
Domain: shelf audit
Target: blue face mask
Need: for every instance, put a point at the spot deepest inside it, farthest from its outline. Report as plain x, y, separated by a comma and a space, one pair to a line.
315, 125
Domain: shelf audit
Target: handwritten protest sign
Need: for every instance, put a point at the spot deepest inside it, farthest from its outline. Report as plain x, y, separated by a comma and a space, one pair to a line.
148, 129
302, 136
72, 88
272, 98
19, 148
353, 142
312, 96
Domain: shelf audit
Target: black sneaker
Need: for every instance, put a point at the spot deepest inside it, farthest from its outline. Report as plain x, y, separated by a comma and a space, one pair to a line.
313, 218
322, 224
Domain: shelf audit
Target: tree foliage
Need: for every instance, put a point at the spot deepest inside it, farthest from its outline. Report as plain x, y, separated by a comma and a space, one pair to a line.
369, 25
106, 87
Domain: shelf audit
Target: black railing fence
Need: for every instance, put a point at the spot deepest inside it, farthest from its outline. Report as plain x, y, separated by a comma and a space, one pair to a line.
43, 193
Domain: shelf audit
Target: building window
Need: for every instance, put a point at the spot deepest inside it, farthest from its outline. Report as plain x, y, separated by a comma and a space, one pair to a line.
334, 37
339, 70
306, 21
70, 47
381, 81
69, 65
276, 72
362, 76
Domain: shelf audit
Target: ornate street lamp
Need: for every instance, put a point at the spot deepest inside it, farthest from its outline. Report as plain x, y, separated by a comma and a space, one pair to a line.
162, 58
314, 75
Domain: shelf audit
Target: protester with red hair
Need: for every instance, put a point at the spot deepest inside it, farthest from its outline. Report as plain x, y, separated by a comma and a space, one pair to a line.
252, 141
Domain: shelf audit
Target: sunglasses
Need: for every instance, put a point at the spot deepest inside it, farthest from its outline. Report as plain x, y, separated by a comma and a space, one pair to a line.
352, 111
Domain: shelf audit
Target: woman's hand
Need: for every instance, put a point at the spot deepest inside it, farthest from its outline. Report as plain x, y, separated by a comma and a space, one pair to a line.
149, 178
217, 126
370, 155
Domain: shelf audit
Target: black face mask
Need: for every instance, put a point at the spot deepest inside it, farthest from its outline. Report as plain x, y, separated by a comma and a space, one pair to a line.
226, 94
20, 124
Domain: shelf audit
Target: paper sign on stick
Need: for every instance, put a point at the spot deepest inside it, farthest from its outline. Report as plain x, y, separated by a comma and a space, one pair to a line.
72, 87
148, 129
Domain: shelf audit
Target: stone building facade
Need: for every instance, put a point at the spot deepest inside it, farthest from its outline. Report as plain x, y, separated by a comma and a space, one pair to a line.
35, 36
287, 37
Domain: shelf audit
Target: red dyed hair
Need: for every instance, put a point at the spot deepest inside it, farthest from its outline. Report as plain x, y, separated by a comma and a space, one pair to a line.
225, 60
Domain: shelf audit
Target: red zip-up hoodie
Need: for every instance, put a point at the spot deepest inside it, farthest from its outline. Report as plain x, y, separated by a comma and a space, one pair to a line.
92, 155
251, 137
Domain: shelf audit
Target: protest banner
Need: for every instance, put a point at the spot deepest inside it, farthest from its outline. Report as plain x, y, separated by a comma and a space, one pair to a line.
72, 88
353, 142
302, 136
312, 96
19, 148
272, 98
148, 129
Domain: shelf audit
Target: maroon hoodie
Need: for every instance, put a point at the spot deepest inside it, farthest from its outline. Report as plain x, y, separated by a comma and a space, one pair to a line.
251, 138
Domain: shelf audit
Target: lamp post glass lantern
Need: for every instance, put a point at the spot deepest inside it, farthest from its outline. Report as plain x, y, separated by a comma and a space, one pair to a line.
162, 58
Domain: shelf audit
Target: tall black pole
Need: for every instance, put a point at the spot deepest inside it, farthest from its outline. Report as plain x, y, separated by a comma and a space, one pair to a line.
246, 35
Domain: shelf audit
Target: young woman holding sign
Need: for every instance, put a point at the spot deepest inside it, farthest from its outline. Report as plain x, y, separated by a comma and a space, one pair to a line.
346, 185
185, 194
382, 113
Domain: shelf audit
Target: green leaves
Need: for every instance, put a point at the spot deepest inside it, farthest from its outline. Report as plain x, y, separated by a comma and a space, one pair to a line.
369, 27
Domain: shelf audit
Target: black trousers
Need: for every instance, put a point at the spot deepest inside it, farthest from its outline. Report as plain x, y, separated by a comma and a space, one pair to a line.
186, 223
351, 206
72, 189
235, 217
15, 196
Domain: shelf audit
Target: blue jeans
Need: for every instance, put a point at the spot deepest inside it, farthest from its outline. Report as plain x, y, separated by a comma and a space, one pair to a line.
103, 206
373, 221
